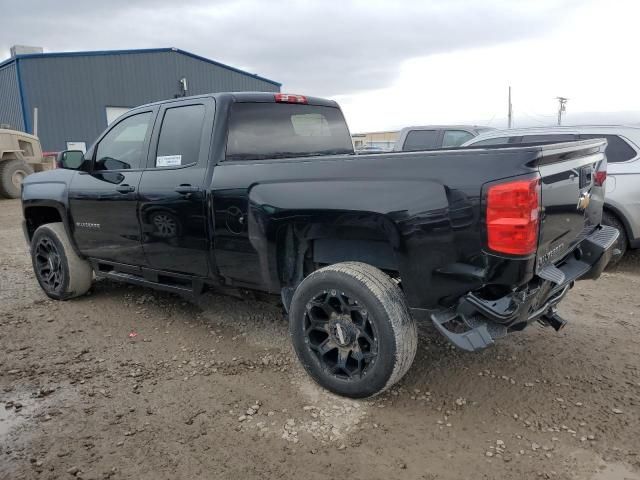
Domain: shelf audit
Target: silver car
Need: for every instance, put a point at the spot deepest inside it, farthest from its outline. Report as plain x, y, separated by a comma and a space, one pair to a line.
434, 137
622, 201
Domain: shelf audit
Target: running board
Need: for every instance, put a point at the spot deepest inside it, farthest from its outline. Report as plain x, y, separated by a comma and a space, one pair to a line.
185, 290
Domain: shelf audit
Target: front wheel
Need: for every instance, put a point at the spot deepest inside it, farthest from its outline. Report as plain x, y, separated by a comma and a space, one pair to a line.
61, 273
352, 330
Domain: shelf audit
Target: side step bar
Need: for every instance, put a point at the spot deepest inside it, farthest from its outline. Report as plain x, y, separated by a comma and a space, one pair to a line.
136, 280
184, 285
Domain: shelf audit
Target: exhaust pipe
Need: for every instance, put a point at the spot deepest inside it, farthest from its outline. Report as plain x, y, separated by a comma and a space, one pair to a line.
555, 320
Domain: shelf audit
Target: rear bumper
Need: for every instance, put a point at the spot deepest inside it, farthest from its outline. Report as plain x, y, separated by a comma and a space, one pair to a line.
487, 319
597, 250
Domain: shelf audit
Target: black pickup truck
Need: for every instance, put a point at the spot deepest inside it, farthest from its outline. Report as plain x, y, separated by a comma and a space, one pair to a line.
263, 191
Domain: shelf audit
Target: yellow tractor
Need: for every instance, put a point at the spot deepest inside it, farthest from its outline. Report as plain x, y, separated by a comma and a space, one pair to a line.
20, 155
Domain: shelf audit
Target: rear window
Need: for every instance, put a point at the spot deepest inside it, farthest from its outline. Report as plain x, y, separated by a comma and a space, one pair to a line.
617, 149
280, 130
421, 140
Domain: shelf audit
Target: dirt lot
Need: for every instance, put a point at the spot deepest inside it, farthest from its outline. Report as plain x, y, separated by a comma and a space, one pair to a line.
211, 389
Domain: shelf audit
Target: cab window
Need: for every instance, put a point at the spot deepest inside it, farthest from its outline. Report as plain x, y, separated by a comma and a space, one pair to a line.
455, 138
180, 136
421, 140
123, 147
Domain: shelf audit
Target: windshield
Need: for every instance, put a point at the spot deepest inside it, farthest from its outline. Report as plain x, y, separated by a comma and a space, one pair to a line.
282, 130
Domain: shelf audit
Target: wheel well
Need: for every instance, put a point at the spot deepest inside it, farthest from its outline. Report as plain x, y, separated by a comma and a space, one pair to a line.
37, 216
300, 253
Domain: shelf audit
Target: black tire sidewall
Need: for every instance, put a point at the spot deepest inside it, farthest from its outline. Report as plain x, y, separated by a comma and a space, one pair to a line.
621, 242
61, 292
378, 374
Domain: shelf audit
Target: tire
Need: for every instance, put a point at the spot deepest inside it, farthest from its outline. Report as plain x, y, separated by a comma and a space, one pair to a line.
621, 244
352, 330
12, 172
61, 273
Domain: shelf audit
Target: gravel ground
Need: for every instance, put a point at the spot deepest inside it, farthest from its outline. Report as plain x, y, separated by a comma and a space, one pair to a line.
128, 383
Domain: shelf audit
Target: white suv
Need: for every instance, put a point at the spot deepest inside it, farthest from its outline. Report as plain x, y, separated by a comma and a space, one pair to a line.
622, 200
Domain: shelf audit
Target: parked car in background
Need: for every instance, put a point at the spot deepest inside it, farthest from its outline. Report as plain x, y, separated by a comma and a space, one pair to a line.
433, 137
622, 200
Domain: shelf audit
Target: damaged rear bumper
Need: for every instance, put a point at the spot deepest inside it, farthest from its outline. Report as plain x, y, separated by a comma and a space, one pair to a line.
475, 322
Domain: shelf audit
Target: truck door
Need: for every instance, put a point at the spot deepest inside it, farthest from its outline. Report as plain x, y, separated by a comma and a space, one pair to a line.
172, 194
103, 201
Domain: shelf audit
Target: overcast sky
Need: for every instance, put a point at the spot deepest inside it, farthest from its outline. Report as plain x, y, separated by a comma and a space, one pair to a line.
389, 63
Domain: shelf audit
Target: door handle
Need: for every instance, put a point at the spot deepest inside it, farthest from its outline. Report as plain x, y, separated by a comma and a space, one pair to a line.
125, 188
184, 189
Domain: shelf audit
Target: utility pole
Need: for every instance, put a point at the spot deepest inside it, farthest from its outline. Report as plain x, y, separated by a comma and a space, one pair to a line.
510, 110
562, 107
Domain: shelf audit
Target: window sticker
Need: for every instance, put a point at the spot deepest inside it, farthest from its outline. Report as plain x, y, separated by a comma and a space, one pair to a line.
169, 161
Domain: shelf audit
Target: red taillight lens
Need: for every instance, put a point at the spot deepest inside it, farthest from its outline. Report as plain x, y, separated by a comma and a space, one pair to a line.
289, 98
599, 178
513, 216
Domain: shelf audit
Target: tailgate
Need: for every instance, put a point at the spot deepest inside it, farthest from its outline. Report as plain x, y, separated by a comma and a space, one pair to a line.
571, 198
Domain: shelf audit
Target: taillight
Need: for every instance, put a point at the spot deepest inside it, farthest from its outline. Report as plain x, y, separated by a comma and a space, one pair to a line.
513, 216
599, 178
290, 98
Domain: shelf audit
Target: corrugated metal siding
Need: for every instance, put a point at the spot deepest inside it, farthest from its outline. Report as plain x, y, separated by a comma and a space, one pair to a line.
205, 77
10, 108
71, 93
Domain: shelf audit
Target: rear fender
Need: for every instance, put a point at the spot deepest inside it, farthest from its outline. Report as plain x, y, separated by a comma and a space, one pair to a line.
286, 218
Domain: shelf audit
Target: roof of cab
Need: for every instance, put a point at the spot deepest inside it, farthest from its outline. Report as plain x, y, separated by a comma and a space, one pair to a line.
243, 97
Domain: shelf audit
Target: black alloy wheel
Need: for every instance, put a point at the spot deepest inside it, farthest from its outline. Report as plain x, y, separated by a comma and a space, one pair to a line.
351, 329
341, 334
48, 264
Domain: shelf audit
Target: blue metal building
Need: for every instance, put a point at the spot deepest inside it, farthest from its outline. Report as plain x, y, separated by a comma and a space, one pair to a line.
76, 94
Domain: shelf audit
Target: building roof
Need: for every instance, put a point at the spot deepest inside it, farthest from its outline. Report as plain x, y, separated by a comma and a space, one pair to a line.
143, 50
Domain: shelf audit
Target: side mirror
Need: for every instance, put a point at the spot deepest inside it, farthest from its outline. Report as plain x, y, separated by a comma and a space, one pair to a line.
70, 159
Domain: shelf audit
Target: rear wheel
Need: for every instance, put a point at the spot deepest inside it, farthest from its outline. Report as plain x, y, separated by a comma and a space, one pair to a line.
352, 330
61, 273
611, 220
12, 173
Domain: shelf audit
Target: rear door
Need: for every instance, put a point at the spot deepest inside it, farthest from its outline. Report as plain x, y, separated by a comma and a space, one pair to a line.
172, 194
103, 202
